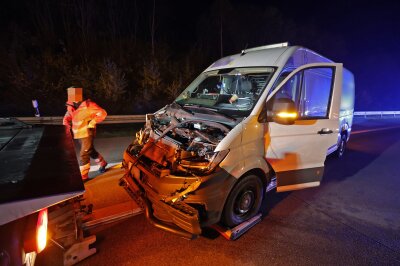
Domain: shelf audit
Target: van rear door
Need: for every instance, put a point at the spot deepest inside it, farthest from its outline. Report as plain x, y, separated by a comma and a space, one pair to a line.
297, 152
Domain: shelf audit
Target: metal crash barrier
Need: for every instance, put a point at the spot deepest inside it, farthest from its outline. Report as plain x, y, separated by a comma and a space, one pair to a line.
123, 119
377, 114
110, 119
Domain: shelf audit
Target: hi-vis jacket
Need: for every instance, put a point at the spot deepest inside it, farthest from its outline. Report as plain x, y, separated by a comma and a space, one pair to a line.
86, 116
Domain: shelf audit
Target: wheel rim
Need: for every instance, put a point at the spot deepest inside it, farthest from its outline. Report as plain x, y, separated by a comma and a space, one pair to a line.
244, 203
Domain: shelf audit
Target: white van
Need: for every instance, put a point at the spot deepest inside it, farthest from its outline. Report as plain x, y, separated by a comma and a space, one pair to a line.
261, 119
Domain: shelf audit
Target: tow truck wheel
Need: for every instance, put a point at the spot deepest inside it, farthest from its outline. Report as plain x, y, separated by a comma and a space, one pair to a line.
341, 147
244, 201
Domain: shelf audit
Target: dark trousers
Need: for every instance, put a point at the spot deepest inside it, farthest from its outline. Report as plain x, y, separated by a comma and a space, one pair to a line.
87, 150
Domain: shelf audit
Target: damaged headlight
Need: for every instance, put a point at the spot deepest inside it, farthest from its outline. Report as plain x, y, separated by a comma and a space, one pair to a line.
204, 164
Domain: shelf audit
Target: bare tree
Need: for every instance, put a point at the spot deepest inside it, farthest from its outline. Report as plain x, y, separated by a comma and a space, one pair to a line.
84, 14
67, 22
136, 20
151, 80
221, 29
112, 82
43, 20
153, 27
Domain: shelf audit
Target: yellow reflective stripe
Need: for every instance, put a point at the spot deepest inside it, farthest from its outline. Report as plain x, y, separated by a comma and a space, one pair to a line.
79, 129
84, 169
80, 132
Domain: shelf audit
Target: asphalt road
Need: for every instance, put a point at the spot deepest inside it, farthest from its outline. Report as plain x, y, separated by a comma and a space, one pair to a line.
353, 218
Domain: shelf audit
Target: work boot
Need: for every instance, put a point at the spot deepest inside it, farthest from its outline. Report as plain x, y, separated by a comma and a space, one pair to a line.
102, 169
85, 171
101, 163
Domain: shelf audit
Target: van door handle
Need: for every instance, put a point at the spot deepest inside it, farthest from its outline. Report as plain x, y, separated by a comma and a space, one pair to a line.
325, 131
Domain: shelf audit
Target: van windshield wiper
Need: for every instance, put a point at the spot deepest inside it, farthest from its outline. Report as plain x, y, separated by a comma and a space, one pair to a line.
178, 106
201, 106
212, 110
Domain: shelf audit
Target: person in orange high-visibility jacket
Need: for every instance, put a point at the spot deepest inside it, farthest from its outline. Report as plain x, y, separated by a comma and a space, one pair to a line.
83, 115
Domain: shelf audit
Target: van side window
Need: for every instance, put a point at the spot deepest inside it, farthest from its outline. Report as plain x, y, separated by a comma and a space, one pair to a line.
316, 92
279, 80
290, 89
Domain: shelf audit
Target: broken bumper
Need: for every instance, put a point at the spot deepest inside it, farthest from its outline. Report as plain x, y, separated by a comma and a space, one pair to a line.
179, 217
184, 221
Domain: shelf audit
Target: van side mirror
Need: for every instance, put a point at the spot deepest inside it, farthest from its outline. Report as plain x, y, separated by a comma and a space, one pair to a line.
282, 111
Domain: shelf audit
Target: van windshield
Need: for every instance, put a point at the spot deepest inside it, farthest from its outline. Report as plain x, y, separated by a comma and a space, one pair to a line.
233, 91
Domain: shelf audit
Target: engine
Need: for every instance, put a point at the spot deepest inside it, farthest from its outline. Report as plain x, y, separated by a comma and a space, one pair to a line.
180, 145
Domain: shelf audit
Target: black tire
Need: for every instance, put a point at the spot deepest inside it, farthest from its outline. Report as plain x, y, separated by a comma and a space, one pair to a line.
244, 201
341, 147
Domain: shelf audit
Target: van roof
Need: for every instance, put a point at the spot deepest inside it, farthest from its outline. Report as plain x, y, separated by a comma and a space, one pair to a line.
271, 56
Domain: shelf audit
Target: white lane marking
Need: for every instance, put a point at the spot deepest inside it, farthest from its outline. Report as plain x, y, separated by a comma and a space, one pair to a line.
95, 168
372, 130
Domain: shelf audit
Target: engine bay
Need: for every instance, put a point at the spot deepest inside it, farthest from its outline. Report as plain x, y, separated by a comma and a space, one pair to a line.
178, 141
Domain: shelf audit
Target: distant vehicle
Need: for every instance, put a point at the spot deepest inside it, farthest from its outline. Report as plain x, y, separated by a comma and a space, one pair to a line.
262, 119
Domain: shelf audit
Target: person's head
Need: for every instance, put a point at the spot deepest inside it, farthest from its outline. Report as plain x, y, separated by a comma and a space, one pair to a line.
75, 94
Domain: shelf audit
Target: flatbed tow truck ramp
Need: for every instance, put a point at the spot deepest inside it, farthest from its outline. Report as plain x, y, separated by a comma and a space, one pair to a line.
73, 226
109, 200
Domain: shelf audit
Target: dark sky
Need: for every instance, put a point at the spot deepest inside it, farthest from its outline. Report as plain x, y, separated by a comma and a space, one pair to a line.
371, 34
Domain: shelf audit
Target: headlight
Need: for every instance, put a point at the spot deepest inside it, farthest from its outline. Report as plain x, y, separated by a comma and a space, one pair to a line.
204, 164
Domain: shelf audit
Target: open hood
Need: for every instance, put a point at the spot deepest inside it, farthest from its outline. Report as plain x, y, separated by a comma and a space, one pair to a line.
180, 140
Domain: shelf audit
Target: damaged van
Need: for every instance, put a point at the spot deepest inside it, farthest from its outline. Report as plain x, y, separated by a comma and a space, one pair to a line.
262, 119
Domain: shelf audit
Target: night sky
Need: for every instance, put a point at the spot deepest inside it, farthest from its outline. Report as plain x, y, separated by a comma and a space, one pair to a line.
370, 32
364, 36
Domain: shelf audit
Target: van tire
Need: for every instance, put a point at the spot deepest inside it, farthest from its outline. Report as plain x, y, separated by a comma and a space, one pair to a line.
341, 147
244, 201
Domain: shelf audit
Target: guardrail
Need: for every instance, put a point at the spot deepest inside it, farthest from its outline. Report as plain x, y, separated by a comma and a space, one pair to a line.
378, 114
111, 119
121, 119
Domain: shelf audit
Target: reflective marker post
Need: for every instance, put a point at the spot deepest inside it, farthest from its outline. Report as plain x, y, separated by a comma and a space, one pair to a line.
36, 107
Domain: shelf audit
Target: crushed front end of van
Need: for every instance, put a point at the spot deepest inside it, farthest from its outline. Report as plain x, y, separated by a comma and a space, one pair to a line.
172, 169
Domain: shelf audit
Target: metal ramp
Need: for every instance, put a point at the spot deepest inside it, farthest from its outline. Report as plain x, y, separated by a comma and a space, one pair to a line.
104, 204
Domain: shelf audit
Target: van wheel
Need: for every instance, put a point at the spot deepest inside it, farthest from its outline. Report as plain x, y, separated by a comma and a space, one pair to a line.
244, 201
341, 147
